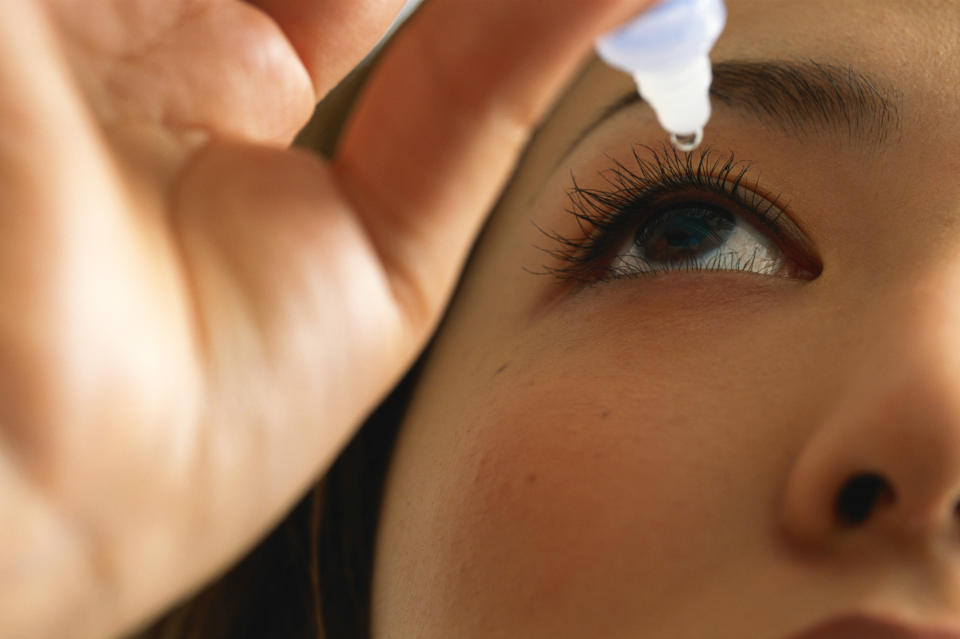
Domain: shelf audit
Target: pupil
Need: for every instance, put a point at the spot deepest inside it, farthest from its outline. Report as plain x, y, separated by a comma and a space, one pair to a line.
685, 238
683, 234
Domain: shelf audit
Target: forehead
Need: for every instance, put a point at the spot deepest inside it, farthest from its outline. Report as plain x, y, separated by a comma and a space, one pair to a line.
842, 22
912, 44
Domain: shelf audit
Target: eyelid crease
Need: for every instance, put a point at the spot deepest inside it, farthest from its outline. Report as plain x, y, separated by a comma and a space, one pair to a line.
603, 216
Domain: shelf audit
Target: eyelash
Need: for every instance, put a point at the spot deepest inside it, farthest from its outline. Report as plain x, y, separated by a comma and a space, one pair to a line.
668, 178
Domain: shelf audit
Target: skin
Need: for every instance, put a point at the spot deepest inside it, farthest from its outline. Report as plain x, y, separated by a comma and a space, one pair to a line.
195, 317
660, 457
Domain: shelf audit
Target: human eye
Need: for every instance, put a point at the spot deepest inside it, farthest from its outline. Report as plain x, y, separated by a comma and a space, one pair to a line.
669, 212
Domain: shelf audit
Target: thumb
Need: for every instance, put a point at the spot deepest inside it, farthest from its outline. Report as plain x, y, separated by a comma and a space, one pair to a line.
443, 120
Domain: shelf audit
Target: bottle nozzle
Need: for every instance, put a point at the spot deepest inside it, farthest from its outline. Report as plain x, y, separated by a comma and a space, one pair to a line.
687, 142
667, 52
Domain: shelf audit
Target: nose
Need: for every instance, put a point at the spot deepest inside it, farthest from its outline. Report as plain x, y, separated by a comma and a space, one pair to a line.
885, 459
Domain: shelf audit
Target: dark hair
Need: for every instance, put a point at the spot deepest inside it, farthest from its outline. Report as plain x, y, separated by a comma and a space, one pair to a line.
351, 511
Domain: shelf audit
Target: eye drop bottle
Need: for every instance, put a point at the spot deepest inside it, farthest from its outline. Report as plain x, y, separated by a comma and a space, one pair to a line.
666, 50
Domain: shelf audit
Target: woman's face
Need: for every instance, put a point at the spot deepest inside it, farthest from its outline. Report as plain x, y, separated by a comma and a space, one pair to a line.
648, 427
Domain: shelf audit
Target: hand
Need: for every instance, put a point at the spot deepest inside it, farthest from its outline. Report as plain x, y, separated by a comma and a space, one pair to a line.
194, 318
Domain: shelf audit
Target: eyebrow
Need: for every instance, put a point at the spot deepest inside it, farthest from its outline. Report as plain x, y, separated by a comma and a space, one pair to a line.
800, 99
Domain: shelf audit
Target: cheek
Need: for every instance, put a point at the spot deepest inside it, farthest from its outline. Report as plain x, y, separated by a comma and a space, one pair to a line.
569, 506
599, 483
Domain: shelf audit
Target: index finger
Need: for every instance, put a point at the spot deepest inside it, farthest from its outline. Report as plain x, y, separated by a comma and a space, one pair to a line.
443, 119
331, 36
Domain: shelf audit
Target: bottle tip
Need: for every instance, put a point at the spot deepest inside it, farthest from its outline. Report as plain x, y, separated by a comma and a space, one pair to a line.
686, 142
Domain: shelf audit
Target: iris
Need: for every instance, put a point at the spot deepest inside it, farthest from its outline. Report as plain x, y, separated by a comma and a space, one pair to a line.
683, 234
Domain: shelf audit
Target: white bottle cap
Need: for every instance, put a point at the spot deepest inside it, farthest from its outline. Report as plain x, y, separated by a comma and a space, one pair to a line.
666, 50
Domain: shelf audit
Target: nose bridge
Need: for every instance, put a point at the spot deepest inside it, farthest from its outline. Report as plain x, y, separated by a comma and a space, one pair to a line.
906, 367
910, 350
923, 327
891, 434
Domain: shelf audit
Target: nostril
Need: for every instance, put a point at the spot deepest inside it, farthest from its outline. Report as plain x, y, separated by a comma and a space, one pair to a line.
860, 495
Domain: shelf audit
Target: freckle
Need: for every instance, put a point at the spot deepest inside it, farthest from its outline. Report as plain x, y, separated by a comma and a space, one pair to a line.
605, 414
531, 478
502, 368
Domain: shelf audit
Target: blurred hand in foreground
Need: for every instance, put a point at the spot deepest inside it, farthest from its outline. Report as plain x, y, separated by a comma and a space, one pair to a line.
194, 317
